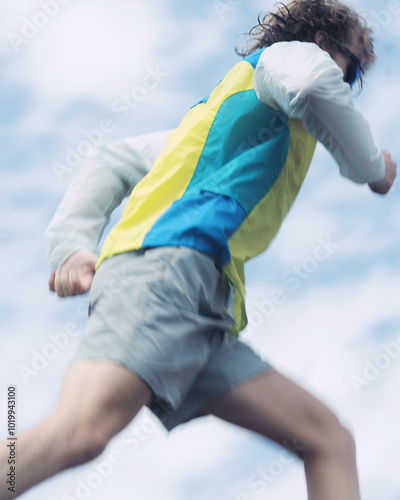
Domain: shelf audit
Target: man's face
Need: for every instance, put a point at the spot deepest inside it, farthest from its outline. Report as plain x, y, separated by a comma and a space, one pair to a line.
344, 61
339, 52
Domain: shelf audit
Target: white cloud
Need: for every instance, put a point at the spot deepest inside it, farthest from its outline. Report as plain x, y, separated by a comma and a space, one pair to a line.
89, 48
319, 336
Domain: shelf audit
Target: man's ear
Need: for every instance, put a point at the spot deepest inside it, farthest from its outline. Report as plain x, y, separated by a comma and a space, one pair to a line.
321, 39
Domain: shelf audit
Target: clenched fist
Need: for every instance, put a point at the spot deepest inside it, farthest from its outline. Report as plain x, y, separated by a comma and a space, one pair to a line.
384, 186
75, 276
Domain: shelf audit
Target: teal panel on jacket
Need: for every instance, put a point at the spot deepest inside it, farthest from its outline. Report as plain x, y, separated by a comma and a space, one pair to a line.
254, 57
245, 151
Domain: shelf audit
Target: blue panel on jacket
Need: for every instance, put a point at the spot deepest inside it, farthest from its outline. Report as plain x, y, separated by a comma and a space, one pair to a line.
203, 221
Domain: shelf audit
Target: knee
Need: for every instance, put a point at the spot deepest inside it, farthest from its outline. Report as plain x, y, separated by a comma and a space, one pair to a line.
334, 440
85, 447
82, 441
340, 442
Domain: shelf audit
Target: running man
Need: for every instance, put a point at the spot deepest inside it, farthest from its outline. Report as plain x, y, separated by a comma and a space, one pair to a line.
167, 291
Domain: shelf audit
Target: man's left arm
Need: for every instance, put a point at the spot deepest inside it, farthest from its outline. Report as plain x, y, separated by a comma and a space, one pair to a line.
305, 83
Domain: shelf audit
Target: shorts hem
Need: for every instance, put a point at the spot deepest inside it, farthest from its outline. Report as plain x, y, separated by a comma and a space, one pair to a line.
158, 400
184, 415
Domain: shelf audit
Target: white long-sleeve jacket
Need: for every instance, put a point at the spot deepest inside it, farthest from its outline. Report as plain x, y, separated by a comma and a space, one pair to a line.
296, 77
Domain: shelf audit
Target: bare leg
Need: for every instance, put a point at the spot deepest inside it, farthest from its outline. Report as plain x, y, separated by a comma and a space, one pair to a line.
97, 400
280, 410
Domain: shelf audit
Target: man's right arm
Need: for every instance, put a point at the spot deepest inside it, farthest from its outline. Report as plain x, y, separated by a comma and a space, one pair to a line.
107, 176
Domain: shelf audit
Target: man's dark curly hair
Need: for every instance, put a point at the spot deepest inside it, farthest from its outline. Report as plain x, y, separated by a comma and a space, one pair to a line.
302, 19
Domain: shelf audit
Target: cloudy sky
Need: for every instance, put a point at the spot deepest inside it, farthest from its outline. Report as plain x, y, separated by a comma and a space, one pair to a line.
337, 332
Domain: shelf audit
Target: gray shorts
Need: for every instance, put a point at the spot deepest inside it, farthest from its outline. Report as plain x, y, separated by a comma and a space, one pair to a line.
162, 313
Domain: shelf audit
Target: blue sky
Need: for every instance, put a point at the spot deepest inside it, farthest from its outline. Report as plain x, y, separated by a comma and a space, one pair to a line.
336, 323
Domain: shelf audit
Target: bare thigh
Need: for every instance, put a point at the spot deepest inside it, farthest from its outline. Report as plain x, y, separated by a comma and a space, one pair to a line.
100, 393
277, 408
